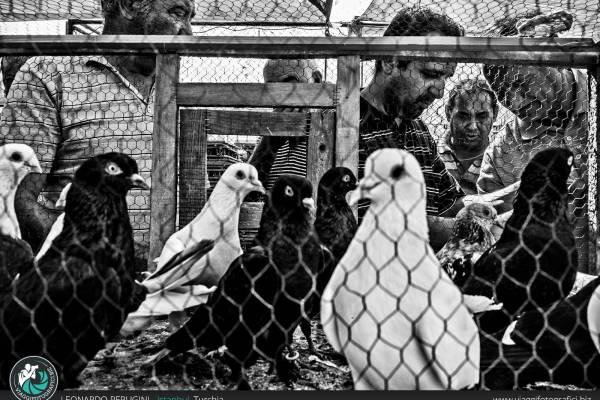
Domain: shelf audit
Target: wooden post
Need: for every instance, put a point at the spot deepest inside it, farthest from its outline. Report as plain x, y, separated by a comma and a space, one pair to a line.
192, 164
348, 112
164, 154
594, 256
320, 146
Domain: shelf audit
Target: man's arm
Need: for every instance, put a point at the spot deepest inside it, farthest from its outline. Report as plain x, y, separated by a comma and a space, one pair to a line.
35, 220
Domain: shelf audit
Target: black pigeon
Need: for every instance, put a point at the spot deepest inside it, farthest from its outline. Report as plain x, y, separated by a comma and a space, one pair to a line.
471, 237
68, 305
550, 346
16, 257
262, 297
534, 263
335, 225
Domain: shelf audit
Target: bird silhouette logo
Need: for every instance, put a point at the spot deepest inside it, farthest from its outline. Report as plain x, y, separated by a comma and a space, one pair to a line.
33, 378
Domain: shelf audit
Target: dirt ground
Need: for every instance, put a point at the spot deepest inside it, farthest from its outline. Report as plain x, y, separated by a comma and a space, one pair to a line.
125, 369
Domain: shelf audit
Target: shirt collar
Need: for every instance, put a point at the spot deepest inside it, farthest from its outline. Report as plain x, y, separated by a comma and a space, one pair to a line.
373, 114
101, 62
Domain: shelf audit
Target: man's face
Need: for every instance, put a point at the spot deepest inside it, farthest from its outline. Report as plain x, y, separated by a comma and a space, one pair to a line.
410, 90
168, 17
471, 120
523, 90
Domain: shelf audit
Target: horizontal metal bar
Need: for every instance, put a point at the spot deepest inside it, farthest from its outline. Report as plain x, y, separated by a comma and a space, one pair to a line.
576, 52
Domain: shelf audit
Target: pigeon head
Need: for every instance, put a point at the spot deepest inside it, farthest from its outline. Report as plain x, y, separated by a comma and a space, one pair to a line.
290, 194
391, 175
18, 160
337, 182
484, 213
474, 222
242, 179
549, 169
114, 173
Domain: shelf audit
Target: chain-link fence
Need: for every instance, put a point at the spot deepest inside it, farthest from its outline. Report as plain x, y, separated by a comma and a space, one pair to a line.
458, 262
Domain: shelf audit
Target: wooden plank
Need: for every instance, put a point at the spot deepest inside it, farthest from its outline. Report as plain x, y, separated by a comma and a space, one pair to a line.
259, 123
348, 113
164, 155
192, 164
556, 51
314, 95
321, 150
594, 240
250, 214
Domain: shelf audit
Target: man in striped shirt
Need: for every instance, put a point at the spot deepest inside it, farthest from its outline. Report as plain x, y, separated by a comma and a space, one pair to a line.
71, 108
276, 156
395, 98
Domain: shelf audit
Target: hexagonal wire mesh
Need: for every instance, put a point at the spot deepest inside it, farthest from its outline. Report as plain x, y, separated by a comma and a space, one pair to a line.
397, 319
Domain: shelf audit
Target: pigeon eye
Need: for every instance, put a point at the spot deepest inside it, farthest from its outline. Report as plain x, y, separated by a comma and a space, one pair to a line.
113, 169
397, 172
288, 191
570, 161
346, 178
16, 157
240, 175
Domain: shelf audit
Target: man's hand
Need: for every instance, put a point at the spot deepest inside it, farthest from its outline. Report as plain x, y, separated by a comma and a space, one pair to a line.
495, 198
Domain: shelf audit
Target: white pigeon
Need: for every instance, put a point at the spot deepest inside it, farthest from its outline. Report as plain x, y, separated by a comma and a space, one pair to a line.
389, 307
593, 317
16, 161
57, 226
190, 283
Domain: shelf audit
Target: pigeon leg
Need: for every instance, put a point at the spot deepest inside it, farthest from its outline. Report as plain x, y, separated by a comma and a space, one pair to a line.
238, 375
286, 369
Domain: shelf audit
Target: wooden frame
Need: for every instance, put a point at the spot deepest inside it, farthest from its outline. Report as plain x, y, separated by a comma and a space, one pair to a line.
197, 124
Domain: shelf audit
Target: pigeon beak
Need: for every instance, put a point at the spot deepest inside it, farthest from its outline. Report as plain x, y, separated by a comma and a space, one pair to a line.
355, 196
362, 191
258, 187
34, 165
309, 203
137, 181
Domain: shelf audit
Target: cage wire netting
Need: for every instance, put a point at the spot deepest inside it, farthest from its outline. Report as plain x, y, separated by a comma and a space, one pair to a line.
260, 285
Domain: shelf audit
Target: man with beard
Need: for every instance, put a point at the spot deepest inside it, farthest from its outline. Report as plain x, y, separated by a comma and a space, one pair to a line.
390, 106
471, 110
69, 109
550, 107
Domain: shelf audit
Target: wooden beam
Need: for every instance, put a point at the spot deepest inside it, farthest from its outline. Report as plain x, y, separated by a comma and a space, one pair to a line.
164, 155
594, 248
256, 123
321, 150
554, 51
192, 164
348, 113
314, 95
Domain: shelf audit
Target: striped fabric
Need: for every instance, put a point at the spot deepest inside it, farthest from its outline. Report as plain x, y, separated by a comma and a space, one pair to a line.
291, 158
380, 131
466, 177
71, 108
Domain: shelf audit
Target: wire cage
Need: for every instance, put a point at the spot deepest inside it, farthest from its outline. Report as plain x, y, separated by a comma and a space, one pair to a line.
407, 291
